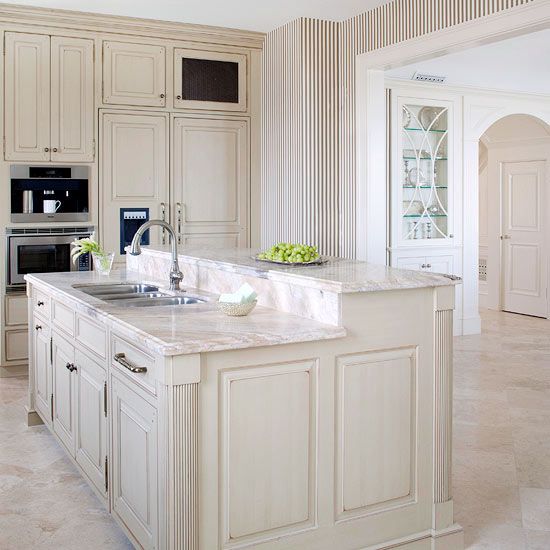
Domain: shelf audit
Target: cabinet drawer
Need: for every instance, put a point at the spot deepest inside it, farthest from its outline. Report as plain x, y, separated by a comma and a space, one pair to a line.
16, 345
16, 309
63, 317
126, 357
92, 336
41, 303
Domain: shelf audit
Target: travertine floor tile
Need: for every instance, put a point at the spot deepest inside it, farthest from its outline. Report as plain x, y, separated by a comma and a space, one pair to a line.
535, 508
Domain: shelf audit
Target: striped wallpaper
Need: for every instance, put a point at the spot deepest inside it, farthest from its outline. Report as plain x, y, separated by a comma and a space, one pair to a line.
308, 136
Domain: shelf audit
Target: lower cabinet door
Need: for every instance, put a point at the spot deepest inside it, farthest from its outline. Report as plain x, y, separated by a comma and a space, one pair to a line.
42, 366
64, 391
134, 469
91, 420
440, 264
415, 263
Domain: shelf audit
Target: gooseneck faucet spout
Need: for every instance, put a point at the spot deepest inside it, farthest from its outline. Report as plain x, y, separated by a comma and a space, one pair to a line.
176, 275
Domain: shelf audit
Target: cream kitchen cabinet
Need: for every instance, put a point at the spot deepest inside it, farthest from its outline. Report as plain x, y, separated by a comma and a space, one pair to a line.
134, 74
64, 390
436, 264
91, 419
210, 80
49, 98
41, 363
210, 186
134, 168
134, 460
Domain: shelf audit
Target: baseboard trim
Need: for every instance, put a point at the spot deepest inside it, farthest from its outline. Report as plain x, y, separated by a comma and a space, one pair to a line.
471, 325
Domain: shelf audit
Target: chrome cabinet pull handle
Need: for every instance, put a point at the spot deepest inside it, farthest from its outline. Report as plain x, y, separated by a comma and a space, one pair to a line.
39, 303
179, 209
38, 327
46, 149
70, 367
162, 96
121, 359
54, 149
163, 217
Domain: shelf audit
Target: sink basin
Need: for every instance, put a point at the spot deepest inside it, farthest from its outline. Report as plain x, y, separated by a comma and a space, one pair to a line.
163, 300
101, 290
136, 295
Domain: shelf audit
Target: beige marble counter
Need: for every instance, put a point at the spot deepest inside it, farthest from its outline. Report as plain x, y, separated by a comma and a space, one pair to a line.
175, 330
338, 275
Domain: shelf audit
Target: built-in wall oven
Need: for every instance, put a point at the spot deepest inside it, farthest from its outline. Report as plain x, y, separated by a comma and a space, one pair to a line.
43, 250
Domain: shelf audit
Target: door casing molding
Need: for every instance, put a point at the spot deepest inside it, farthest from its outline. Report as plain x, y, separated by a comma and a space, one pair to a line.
371, 237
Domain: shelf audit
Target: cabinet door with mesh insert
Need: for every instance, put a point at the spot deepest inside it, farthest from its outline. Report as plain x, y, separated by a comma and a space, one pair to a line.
214, 81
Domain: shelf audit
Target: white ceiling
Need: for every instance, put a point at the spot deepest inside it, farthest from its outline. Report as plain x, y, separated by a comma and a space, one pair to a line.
255, 15
520, 64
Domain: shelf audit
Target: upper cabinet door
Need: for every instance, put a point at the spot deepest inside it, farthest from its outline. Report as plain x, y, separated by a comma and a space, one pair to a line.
213, 81
72, 115
210, 182
134, 74
27, 108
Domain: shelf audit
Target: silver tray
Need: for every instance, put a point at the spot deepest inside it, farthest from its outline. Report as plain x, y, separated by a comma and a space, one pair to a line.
318, 261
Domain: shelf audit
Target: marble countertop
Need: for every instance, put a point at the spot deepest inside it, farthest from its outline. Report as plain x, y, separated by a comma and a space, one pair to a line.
337, 275
176, 330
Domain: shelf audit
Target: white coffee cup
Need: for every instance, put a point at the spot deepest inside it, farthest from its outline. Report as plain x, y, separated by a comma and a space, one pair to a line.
51, 206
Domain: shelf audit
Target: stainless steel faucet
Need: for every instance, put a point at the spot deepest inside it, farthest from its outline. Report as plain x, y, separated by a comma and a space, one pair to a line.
176, 276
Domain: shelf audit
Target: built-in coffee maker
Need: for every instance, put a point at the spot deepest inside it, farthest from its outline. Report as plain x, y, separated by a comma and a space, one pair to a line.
49, 193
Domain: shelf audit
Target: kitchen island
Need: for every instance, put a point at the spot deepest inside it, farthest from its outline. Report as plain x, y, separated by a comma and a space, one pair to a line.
320, 421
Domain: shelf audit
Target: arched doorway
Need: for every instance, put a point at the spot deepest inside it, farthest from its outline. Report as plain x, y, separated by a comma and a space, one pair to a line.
514, 242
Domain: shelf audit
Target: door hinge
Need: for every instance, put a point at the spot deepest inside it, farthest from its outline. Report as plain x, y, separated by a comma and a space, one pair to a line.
105, 398
106, 474
93, 148
51, 406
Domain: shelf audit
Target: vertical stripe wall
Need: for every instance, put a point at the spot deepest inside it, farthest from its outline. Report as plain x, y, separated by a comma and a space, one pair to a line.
308, 134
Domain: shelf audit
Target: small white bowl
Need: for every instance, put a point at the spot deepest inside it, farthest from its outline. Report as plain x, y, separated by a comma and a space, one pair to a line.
237, 310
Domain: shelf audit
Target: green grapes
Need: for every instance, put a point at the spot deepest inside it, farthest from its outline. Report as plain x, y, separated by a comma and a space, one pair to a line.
290, 253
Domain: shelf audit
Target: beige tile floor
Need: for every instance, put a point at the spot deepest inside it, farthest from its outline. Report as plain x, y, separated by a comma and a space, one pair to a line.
502, 434
501, 467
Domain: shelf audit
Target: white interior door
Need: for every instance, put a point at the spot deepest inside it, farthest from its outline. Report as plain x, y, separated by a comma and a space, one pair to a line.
524, 256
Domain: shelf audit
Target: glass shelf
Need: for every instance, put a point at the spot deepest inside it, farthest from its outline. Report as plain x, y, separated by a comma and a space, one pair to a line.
425, 158
423, 130
426, 215
425, 187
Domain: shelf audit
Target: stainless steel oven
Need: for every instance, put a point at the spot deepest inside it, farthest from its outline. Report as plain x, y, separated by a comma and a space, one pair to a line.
43, 250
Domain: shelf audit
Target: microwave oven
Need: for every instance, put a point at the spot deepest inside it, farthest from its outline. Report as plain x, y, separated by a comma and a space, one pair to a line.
43, 250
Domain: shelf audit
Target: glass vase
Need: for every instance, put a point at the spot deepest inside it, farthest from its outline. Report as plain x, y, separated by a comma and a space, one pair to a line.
103, 262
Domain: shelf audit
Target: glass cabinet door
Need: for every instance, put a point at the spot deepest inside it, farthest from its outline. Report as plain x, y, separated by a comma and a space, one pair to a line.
423, 172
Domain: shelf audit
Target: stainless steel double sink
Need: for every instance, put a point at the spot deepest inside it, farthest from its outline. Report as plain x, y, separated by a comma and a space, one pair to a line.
135, 295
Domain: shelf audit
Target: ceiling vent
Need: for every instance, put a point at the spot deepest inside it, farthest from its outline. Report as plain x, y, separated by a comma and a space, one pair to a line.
434, 79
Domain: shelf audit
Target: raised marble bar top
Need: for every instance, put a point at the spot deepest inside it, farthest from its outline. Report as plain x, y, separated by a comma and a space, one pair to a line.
338, 275
177, 330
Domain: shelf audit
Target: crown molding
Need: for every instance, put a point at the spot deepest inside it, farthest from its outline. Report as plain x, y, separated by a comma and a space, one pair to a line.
78, 20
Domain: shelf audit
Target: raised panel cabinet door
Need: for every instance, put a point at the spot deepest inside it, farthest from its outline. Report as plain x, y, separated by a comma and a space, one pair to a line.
440, 264
91, 419
42, 366
64, 391
211, 180
72, 107
134, 470
211, 81
134, 74
27, 96
416, 263
135, 171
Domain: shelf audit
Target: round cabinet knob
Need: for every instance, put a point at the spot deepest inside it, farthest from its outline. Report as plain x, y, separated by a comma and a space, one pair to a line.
178, 97
162, 96
429, 266
39, 303
38, 327
68, 366
54, 149
73, 368
46, 149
